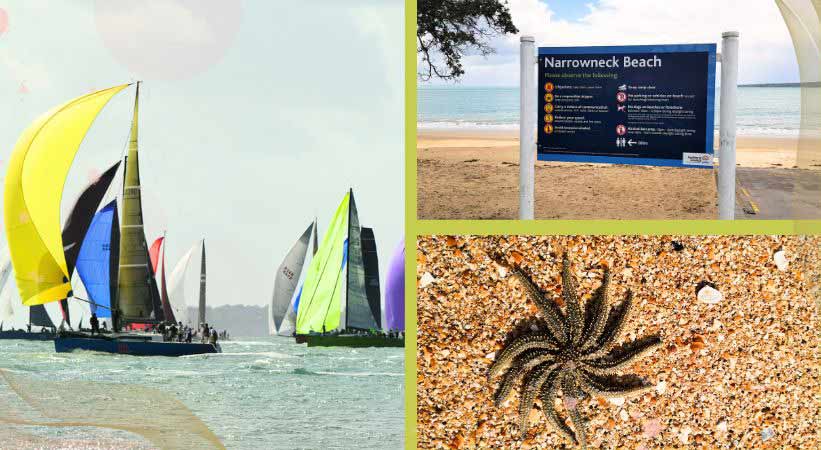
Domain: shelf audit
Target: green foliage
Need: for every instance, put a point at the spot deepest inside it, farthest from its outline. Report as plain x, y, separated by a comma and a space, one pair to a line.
447, 29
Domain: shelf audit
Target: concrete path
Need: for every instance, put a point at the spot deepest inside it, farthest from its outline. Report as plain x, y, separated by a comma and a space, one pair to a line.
778, 194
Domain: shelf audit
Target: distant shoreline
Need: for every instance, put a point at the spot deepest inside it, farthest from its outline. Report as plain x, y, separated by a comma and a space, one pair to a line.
810, 84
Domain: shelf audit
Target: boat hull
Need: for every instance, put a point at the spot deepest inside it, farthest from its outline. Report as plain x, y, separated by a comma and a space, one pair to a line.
133, 347
350, 340
25, 335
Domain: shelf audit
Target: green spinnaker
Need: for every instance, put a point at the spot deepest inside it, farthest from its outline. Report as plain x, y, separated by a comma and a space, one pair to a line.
320, 305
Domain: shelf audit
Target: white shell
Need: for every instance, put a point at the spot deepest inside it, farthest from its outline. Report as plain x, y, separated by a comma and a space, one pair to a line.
780, 259
661, 387
709, 295
426, 280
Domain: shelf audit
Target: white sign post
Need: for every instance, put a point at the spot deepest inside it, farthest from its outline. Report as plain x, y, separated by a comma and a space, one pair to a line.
527, 128
727, 127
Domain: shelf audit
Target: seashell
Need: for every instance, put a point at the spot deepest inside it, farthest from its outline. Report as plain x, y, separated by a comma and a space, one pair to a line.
722, 426
710, 295
684, 435
780, 259
618, 401
426, 280
661, 387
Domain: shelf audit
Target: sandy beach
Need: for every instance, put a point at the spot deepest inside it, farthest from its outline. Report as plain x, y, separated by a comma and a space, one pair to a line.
737, 371
473, 174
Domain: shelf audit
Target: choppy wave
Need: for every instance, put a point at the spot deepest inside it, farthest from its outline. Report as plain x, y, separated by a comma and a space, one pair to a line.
303, 371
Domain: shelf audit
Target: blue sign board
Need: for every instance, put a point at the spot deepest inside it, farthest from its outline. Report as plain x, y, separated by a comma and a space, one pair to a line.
648, 105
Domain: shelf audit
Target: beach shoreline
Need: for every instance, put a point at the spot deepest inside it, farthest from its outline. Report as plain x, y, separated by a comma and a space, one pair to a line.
474, 174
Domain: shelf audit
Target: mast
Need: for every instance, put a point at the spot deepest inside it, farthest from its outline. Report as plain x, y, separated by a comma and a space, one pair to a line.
348, 256
202, 286
134, 281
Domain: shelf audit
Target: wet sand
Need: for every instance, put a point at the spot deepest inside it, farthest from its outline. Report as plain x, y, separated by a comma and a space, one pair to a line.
473, 174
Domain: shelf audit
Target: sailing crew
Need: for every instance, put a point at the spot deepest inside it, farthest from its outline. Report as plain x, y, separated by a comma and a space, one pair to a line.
205, 333
95, 324
213, 339
189, 334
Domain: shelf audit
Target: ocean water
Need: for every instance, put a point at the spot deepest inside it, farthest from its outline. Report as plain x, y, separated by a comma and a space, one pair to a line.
761, 111
260, 393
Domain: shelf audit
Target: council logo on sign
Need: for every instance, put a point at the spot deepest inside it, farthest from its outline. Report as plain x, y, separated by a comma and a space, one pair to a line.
621, 130
621, 97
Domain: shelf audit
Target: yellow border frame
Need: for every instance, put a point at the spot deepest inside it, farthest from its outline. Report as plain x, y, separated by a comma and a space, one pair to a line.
415, 228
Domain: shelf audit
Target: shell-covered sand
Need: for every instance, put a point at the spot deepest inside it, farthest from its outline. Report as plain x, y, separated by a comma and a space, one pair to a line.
740, 373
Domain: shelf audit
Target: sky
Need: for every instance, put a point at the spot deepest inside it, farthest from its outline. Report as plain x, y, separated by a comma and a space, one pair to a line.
767, 54
255, 117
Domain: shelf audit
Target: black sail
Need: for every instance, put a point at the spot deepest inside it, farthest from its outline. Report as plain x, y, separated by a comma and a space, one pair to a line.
38, 316
78, 221
371, 261
358, 312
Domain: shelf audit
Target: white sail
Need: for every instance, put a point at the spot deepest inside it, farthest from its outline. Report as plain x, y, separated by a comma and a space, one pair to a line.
6, 308
177, 287
287, 279
288, 326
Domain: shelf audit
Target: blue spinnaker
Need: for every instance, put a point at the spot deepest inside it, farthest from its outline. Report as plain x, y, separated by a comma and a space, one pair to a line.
94, 260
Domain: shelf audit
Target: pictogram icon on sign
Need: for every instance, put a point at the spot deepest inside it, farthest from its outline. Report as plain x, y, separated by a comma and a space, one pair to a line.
621, 130
621, 97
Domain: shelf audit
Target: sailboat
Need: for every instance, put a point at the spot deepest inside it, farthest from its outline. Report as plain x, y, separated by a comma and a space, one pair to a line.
158, 267
74, 230
181, 288
289, 275
37, 169
334, 307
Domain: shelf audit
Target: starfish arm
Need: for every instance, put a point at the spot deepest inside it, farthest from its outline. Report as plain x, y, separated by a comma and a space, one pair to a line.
575, 320
571, 389
552, 314
613, 386
520, 345
533, 384
521, 365
596, 312
548, 395
621, 357
616, 320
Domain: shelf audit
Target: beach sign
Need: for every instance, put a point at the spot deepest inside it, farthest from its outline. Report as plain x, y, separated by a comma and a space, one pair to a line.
644, 105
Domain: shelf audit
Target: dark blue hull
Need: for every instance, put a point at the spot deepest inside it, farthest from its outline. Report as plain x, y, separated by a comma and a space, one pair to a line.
24, 335
132, 347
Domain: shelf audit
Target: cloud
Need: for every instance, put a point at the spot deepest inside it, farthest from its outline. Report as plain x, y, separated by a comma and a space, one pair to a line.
767, 52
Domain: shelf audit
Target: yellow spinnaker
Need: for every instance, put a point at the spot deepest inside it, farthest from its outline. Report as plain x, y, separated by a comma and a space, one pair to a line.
37, 171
